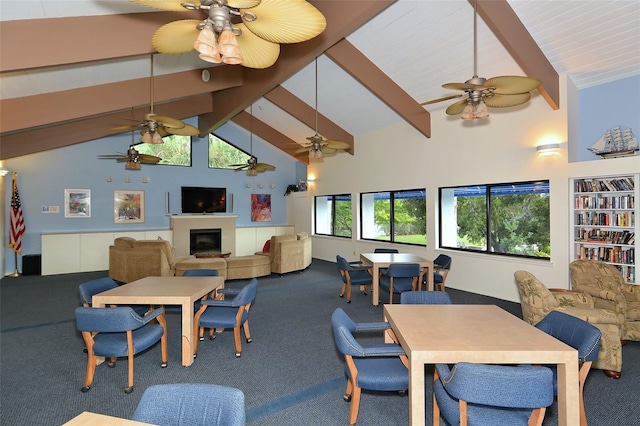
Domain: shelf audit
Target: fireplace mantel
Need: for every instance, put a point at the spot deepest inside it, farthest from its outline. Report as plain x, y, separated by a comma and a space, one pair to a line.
182, 224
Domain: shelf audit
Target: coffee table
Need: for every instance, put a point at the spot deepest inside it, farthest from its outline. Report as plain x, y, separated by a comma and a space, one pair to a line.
164, 291
383, 260
433, 334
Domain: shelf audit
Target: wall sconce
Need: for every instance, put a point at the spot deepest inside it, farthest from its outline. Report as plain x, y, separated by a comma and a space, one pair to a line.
3, 171
272, 185
128, 179
248, 185
548, 150
260, 186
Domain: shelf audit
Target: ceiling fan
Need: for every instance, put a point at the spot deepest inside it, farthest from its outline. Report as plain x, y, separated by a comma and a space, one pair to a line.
155, 127
252, 166
220, 38
133, 158
497, 92
317, 146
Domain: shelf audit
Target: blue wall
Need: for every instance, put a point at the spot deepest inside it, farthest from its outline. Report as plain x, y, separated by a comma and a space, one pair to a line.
603, 107
43, 178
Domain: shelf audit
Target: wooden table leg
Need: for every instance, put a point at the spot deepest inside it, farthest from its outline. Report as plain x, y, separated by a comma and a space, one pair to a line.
187, 333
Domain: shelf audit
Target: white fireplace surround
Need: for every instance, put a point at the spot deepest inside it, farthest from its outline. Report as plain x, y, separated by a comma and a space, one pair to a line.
183, 224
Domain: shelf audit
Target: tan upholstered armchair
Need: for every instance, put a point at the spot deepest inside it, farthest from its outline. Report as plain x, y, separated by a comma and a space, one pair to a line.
608, 289
537, 301
131, 259
289, 252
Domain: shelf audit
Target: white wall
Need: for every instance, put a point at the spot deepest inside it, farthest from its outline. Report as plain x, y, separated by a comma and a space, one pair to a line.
499, 149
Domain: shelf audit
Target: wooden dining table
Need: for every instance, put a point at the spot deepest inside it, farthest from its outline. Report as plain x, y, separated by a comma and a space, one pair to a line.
383, 260
433, 334
157, 291
87, 418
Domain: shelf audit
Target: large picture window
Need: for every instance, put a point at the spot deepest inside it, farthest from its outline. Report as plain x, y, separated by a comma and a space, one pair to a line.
394, 216
508, 219
332, 215
223, 154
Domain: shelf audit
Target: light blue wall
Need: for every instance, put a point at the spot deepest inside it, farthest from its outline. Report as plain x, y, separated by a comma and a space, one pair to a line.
43, 177
601, 108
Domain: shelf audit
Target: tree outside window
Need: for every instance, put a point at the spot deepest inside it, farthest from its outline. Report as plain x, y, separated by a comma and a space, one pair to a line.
333, 215
394, 216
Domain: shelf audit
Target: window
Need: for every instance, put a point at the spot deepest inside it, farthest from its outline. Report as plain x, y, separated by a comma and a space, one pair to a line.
507, 219
223, 154
175, 150
333, 215
394, 216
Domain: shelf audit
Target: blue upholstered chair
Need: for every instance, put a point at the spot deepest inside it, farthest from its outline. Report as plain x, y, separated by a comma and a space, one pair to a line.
491, 395
425, 298
193, 273
400, 277
351, 275
191, 404
119, 332
578, 334
229, 313
384, 250
376, 367
441, 267
89, 288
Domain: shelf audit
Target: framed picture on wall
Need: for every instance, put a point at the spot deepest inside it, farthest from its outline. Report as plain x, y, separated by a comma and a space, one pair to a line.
128, 206
77, 203
260, 207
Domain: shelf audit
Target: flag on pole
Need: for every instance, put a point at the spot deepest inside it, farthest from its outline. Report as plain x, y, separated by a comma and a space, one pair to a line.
17, 220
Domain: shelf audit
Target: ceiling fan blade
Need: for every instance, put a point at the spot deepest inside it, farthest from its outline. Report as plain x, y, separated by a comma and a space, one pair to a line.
171, 5
242, 4
511, 84
504, 101
446, 98
286, 21
176, 37
127, 127
148, 159
256, 52
303, 149
327, 150
167, 121
334, 144
112, 156
463, 86
457, 107
187, 130
263, 167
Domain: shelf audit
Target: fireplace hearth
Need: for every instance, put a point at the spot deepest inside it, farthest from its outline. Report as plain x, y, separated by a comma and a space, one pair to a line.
205, 240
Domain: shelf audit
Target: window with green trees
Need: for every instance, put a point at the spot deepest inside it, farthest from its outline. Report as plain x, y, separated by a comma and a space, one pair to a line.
332, 215
222, 154
507, 219
175, 150
394, 216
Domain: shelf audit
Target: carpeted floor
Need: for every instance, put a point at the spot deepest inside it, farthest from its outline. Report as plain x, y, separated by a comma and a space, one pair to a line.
291, 374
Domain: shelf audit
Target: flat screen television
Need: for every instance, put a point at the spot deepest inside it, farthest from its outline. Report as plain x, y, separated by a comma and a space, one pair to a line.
197, 199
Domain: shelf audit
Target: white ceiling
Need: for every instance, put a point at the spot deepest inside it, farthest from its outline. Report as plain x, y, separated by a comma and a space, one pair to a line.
420, 44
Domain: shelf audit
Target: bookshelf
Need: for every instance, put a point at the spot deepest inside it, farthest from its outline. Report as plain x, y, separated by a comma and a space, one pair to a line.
604, 222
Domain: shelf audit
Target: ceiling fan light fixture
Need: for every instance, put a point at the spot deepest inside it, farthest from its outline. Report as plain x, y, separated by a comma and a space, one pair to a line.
131, 165
252, 172
467, 112
146, 138
228, 47
205, 44
481, 110
156, 138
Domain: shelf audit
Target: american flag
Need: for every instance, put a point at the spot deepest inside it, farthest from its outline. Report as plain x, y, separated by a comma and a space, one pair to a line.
17, 220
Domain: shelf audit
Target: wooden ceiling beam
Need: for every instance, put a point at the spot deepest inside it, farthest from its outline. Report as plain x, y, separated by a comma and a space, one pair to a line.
301, 111
377, 82
507, 27
269, 134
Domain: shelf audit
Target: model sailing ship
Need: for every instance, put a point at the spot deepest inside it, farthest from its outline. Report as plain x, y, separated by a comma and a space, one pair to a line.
616, 143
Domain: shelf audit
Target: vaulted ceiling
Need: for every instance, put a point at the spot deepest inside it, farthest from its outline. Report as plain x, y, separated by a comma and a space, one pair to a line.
68, 68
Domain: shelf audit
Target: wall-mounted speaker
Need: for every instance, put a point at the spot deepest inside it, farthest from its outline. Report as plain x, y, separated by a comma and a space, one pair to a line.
166, 203
231, 204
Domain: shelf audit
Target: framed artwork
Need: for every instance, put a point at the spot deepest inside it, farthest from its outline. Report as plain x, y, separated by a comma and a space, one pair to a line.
77, 203
128, 206
260, 207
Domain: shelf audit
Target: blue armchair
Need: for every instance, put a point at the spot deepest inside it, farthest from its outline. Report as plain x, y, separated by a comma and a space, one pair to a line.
352, 275
89, 288
400, 277
191, 404
232, 313
425, 298
119, 332
495, 395
578, 334
377, 367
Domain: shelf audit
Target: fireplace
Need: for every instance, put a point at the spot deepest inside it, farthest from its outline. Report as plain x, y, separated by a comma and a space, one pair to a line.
201, 240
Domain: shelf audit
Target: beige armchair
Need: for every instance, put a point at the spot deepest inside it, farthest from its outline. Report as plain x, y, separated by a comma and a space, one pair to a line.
289, 252
131, 259
608, 289
537, 301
